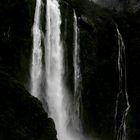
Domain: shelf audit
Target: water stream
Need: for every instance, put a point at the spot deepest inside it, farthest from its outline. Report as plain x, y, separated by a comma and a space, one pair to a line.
36, 66
121, 111
55, 93
77, 76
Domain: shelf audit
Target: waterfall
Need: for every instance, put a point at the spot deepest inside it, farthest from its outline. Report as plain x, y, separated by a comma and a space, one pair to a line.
56, 96
36, 66
54, 68
121, 111
77, 76
56, 91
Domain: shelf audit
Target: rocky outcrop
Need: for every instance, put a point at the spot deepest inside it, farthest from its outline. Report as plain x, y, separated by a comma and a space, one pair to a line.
22, 116
16, 37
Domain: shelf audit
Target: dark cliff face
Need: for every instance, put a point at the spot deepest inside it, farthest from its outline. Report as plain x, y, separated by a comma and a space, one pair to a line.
15, 37
99, 66
129, 24
101, 73
98, 56
22, 116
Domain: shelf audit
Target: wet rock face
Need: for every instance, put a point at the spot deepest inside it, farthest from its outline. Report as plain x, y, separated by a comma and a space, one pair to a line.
21, 115
99, 66
101, 86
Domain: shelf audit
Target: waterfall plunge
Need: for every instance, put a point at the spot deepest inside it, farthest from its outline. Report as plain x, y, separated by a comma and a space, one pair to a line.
56, 93
54, 70
57, 97
36, 67
77, 77
120, 127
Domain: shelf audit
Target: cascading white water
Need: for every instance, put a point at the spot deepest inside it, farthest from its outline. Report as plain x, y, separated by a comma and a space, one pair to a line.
77, 77
56, 93
36, 67
56, 97
120, 130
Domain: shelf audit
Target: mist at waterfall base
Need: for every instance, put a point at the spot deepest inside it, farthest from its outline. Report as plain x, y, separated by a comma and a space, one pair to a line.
56, 98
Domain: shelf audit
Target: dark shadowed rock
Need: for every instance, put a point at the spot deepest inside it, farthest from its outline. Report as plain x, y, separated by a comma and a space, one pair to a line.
22, 116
